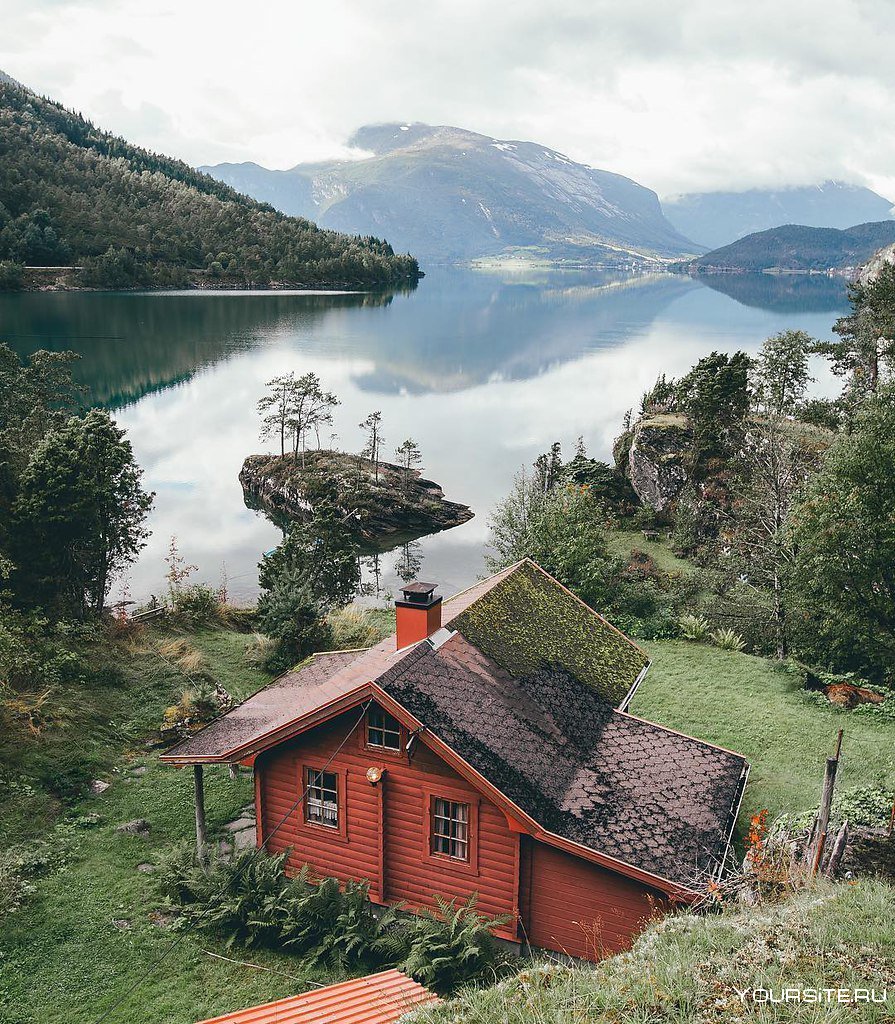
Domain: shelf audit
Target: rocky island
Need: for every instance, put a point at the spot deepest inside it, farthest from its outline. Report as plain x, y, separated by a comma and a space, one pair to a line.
384, 502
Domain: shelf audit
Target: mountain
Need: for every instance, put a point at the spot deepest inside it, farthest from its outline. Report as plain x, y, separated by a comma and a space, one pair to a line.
797, 248
718, 218
451, 195
73, 194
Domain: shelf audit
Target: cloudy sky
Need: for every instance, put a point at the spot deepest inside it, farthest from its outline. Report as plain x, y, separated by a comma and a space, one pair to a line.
683, 95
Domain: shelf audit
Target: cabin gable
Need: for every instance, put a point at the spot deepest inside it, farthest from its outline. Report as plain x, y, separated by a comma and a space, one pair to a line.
384, 832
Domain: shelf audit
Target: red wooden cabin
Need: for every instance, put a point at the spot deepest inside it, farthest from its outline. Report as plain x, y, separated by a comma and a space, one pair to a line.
490, 753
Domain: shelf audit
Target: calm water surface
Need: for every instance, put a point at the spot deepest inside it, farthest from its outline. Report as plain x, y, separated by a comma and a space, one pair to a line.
484, 371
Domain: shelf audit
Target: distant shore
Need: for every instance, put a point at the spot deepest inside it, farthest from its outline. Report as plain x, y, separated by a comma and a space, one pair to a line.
60, 279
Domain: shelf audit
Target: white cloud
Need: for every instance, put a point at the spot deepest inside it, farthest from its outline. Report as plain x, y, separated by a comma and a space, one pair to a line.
695, 94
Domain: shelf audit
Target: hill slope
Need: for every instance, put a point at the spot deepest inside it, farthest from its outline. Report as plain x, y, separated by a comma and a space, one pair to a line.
448, 194
795, 247
70, 192
718, 218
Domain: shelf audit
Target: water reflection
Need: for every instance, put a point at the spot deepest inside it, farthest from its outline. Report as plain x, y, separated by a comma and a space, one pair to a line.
483, 371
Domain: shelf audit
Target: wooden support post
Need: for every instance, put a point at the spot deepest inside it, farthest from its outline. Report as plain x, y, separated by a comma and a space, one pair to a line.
826, 803
234, 770
201, 834
838, 851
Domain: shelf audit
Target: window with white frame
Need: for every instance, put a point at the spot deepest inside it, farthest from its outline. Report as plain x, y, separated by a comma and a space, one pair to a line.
450, 829
382, 730
322, 798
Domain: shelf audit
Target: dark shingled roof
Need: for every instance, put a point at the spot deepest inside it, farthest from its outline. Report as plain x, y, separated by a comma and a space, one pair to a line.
618, 785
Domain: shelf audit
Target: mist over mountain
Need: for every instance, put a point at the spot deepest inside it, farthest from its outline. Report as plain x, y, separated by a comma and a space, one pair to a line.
451, 195
715, 219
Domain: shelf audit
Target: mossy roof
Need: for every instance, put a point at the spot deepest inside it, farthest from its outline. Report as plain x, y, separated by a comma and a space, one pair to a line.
528, 621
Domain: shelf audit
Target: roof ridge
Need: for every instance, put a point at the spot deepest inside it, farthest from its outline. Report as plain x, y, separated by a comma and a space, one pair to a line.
507, 569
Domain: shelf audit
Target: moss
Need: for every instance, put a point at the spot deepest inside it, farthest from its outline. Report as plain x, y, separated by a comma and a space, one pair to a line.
529, 622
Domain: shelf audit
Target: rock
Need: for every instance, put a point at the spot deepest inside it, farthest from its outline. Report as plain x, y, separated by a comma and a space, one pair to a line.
871, 269
240, 824
122, 924
869, 852
137, 827
400, 503
98, 786
161, 919
244, 840
139, 771
147, 869
657, 459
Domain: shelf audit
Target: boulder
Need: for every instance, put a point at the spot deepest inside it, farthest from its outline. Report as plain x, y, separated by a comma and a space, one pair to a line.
657, 461
137, 827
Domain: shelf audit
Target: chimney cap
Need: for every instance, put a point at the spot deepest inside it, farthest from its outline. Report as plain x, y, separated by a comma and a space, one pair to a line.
418, 588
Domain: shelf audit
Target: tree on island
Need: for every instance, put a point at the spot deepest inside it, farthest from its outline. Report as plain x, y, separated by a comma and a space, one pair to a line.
408, 456
311, 408
294, 407
373, 426
275, 408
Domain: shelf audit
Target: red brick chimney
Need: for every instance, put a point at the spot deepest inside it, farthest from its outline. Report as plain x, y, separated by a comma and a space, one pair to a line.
418, 615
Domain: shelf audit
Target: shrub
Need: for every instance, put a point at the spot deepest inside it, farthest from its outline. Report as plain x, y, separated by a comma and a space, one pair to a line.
250, 901
353, 627
447, 947
240, 899
695, 628
199, 703
727, 639
197, 604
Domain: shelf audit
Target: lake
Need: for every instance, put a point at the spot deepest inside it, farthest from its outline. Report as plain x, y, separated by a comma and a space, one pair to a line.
483, 370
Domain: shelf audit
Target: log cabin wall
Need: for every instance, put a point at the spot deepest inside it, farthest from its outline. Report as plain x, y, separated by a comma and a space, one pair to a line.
576, 907
384, 830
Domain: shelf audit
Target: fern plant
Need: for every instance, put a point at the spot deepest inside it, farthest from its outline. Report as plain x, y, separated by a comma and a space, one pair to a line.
446, 947
727, 639
694, 627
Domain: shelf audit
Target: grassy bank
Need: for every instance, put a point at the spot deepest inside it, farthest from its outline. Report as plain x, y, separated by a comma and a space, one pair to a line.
90, 930
758, 708
687, 969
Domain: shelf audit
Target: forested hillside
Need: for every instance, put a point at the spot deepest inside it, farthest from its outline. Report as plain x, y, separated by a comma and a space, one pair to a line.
71, 194
795, 247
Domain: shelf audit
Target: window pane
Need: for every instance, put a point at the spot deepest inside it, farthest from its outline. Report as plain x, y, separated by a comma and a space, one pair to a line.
383, 730
322, 800
450, 829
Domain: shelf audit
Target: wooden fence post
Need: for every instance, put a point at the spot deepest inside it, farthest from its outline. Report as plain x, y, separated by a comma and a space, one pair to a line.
826, 803
201, 833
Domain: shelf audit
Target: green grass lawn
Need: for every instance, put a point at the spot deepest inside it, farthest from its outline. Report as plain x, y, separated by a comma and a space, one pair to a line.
622, 542
753, 706
63, 959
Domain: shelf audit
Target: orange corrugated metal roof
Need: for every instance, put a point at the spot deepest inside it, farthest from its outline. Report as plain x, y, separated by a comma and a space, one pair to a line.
375, 999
